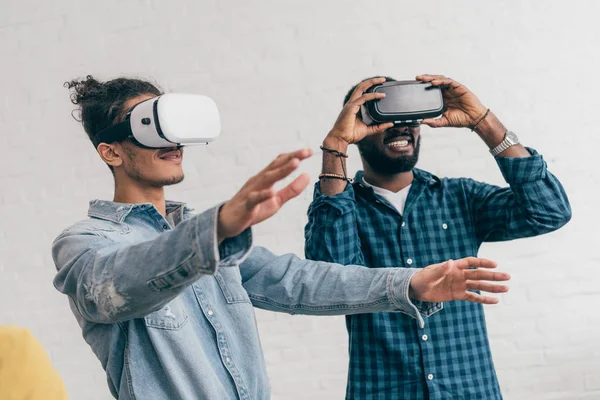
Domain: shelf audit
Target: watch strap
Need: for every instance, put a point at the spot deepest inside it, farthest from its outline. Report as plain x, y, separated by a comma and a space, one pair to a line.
504, 145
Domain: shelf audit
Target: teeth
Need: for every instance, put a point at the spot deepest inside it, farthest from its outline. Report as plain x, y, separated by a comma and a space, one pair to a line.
399, 143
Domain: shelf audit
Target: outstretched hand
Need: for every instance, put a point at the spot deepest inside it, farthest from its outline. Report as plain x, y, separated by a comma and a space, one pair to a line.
454, 280
258, 200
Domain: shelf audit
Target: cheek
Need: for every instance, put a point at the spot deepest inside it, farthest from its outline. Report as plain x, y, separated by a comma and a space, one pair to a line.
151, 163
141, 161
370, 142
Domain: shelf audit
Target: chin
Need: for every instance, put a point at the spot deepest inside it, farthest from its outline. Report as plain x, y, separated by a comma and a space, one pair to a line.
398, 156
167, 180
173, 180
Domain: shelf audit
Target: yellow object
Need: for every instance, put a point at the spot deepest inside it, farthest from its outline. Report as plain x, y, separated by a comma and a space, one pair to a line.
25, 369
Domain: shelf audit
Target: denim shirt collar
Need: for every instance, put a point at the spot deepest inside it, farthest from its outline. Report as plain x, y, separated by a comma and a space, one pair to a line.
116, 212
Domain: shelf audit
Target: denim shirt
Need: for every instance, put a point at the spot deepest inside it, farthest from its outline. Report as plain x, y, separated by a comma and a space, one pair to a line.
169, 312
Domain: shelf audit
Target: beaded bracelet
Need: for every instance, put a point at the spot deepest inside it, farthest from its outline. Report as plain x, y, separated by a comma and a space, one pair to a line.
340, 155
335, 176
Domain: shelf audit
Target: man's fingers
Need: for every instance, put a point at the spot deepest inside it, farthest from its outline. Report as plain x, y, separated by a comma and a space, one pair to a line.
367, 97
269, 178
482, 275
373, 129
486, 287
286, 157
271, 201
447, 82
256, 198
280, 168
435, 123
364, 85
429, 77
477, 298
293, 189
440, 80
475, 262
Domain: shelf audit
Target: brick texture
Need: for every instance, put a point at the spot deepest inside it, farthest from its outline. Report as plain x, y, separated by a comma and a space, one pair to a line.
279, 71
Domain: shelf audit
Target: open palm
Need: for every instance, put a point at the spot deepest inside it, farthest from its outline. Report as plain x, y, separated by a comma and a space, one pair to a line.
258, 199
456, 280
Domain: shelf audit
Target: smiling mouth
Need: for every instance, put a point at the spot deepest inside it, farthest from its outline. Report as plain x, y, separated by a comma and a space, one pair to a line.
398, 141
171, 155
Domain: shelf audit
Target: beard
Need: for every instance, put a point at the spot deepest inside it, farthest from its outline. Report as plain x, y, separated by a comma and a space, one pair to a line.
385, 165
173, 180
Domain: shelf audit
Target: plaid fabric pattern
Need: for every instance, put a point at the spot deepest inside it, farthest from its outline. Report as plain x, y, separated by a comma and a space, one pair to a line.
391, 357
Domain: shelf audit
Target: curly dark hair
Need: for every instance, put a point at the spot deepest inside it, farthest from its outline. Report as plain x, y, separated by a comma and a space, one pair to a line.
100, 104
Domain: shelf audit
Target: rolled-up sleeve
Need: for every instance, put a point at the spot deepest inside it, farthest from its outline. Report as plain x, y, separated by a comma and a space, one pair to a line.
534, 203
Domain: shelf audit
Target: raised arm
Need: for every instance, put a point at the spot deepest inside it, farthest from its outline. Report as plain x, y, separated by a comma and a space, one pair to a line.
110, 281
535, 202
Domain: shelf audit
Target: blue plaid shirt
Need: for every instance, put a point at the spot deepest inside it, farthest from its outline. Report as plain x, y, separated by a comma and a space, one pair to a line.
391, 356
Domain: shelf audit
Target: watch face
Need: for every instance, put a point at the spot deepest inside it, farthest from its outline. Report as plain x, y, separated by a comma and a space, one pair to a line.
512, 137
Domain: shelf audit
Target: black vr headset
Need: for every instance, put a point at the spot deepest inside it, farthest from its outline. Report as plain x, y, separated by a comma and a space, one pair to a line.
406, 103
169, 120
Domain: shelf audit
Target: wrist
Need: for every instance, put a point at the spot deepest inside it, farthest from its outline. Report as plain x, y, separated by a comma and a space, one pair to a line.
334, 142
491, 130
411, 292
478, 115
416, 286
222, 230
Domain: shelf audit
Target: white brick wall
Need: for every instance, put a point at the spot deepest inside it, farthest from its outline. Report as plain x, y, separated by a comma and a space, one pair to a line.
279, 70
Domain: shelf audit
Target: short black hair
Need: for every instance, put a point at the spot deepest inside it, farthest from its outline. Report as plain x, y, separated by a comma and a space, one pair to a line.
387, 79
100, 104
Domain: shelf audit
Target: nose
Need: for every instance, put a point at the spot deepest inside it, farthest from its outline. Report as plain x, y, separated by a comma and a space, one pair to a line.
399, 129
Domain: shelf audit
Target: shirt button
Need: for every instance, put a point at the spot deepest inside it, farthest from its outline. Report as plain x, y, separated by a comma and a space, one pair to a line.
404, 224
165, 226
210, 312
430, 377
409, 261
228, 359
445, 226
425, 337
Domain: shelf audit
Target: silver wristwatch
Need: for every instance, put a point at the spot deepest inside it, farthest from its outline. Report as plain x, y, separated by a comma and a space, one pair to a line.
510, 139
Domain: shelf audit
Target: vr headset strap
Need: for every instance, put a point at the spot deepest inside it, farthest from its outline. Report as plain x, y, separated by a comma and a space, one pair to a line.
115, 133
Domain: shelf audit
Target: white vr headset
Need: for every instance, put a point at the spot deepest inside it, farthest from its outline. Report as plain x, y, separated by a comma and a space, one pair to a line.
169, 120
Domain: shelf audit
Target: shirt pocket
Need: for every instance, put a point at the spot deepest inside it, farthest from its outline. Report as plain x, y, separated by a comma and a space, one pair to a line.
230, 282
171, 317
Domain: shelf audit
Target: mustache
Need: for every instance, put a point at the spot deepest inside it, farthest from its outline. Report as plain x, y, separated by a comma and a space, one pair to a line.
169, 149
395, 132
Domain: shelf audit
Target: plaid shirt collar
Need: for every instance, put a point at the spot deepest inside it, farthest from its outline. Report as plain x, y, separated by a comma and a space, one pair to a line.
422, 179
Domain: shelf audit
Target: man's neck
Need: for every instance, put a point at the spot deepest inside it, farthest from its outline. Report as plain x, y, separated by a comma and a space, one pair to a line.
134, 193
393, 183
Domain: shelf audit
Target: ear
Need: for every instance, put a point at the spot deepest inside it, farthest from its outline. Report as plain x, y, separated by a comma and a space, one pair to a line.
112, 154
